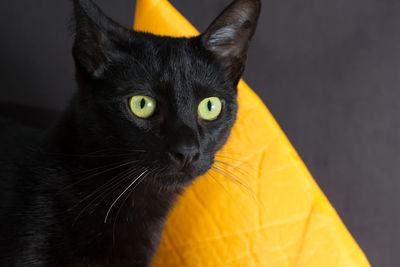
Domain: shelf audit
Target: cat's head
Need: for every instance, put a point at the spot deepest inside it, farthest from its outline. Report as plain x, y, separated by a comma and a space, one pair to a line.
167, 103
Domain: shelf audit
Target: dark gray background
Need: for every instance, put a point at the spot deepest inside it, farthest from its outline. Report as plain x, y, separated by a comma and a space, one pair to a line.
329, 70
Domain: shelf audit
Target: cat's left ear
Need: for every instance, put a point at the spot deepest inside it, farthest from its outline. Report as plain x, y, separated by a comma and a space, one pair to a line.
96, 36
229, 36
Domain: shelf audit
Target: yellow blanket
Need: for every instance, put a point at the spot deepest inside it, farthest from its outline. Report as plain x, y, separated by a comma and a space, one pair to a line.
262, 208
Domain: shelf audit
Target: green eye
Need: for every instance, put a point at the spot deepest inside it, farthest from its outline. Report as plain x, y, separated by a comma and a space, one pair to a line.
143, 106
210, 108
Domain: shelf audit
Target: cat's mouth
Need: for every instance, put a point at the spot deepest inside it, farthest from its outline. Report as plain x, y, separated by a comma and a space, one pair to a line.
180, 177
163, 172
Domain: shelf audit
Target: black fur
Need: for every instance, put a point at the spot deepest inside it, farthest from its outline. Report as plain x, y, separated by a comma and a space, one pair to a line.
60, 189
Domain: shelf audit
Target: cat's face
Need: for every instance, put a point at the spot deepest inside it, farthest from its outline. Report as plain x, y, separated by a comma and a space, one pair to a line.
167, 103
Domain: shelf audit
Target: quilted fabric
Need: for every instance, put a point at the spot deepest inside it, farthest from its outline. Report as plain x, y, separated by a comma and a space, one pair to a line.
261, 207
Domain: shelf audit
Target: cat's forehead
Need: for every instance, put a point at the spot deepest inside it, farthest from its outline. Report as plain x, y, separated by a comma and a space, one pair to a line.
164, 63
180, 59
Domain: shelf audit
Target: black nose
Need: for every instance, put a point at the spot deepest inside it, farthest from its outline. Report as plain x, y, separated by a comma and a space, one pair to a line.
183, 145
184, 155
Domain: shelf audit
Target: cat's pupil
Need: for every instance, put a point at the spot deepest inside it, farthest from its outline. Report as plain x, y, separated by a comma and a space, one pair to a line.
142, 103
209, 105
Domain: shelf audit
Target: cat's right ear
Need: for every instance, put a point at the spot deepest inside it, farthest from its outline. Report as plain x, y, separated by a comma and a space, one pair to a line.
95, 38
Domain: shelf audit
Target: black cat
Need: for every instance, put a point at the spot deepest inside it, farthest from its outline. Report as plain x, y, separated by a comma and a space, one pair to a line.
148, 118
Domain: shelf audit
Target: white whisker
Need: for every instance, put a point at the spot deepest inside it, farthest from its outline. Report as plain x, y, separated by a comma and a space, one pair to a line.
126, 189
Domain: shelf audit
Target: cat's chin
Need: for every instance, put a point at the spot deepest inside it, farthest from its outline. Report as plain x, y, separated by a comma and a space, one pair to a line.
174, 180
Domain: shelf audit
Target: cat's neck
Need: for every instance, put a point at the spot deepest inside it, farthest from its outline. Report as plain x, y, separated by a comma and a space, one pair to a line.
127, 233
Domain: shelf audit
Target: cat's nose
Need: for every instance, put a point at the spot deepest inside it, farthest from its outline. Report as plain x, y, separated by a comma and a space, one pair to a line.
185, 155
